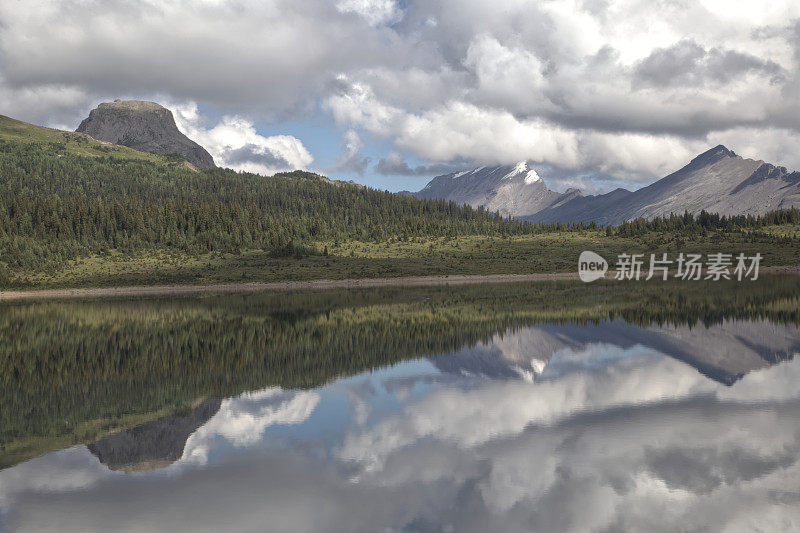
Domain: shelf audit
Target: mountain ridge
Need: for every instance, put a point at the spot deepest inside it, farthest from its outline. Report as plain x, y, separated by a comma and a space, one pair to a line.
512, 190
717, 181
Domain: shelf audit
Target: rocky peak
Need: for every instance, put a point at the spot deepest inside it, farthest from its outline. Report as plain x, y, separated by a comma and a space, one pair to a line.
513, 190
709, 157
521, 170
144, 126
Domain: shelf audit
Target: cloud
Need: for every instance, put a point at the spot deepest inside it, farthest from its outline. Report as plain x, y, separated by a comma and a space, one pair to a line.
375, 12
184, 48
394, 165
235, 143
642, 87
351, 159
688, 64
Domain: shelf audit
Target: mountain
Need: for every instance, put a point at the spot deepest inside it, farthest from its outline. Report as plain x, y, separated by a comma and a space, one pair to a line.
717, 181
512, 190
143, 126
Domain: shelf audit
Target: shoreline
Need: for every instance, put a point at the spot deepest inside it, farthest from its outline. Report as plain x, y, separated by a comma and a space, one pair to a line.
258, 286
322, 284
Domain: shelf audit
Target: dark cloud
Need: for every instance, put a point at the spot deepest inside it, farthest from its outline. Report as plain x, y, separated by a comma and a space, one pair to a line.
251, 153
351, 159
689, 64
702, 470
356, 164
668, 66
394, 165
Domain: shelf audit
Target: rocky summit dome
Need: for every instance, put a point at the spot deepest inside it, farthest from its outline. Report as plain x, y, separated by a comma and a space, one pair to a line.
144, 126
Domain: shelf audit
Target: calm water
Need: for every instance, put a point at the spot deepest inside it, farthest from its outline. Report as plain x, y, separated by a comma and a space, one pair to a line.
553, 426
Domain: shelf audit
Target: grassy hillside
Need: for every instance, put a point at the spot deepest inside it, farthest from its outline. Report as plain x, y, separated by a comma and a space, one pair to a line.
78, 212
60, 142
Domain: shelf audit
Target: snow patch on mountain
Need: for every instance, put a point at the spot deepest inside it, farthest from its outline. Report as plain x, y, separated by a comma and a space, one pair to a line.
510, 190
522, 169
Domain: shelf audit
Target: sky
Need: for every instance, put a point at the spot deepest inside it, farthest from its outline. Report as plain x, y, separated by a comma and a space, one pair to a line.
595, 94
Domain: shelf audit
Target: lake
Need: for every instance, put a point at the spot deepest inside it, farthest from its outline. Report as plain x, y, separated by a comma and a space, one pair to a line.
517, 407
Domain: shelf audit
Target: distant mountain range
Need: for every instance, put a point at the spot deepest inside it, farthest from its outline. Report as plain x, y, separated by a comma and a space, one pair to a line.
717, 181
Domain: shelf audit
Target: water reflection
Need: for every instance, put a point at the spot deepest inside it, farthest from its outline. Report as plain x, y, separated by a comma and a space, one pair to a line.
152, 445
607, 426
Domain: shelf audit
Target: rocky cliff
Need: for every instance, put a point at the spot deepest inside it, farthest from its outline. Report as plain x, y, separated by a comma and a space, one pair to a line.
144, 126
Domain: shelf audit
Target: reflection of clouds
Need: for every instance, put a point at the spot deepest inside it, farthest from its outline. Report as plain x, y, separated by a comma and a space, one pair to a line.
617, 439
242, 420
668, 464
65, 470
696, 461
502, 408
634, 447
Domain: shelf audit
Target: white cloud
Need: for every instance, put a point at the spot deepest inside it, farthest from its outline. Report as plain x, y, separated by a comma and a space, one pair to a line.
235, 143
505, 74
356, 103
464, 131
375, 12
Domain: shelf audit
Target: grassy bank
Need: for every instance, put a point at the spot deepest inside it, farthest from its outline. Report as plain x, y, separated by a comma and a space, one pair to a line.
472, 254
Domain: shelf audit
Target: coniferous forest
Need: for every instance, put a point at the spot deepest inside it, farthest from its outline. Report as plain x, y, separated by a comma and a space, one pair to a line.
55, 206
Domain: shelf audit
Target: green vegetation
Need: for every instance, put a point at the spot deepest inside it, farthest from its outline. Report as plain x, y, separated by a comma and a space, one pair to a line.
78, 212
470, 254
58, 207
73, 371
691, 226
60, 143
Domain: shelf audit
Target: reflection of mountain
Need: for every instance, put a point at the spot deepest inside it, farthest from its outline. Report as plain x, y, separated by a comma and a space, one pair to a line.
154, 444
724, 352
522, 353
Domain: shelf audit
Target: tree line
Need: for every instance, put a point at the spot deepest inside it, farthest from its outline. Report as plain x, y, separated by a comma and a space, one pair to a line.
689, 224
